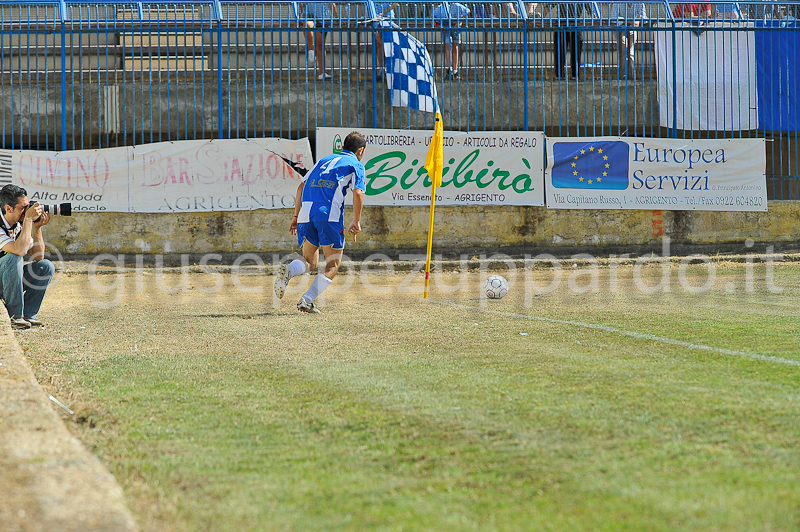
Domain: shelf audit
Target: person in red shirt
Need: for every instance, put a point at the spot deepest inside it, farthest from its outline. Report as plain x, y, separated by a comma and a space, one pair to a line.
692, 11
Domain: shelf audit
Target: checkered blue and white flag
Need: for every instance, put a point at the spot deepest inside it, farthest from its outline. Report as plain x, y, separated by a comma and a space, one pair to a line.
409, 71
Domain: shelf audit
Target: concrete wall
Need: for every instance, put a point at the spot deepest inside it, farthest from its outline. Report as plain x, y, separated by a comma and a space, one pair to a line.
394, 230
172, 109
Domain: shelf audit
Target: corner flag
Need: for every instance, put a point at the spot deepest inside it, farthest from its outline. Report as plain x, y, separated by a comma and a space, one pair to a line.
433, 164
409, 76
434, 160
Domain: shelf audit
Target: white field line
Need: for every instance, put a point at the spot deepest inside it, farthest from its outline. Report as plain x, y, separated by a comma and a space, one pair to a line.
632, 334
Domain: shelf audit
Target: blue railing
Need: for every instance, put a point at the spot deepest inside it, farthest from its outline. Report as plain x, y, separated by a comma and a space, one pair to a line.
92, 73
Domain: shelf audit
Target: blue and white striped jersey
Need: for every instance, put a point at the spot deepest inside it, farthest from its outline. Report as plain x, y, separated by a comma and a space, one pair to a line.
326, 186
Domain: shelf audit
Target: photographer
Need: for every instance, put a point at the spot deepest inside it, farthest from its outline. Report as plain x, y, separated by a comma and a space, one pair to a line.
22, 285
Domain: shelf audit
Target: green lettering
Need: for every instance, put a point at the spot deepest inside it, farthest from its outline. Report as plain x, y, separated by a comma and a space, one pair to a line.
502, 174
523, 182
462, 169
386, 162
481, 174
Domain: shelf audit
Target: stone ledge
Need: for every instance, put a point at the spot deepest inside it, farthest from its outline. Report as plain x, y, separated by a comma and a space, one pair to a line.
50, 481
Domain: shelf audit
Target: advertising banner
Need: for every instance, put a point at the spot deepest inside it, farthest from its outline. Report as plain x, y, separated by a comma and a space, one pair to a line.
181, 176
480, 168
645, 173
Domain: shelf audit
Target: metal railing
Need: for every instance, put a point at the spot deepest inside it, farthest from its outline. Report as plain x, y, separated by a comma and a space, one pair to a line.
91, 73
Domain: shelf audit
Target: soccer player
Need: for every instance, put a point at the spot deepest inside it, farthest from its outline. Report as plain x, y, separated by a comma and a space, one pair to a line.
318, 219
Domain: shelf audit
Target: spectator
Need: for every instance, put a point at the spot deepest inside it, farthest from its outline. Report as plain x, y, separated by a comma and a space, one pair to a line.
766, 11
627, 14
569, 14
683, 11
318, 14
486, 13
384, 10
728, 11
451, 20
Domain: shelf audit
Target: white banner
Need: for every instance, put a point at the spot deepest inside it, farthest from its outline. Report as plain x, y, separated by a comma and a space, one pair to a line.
714, 84
181, 176
645, 173
480, 168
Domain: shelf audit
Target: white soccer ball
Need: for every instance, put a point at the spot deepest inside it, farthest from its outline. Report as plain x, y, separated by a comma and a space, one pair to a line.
496, 287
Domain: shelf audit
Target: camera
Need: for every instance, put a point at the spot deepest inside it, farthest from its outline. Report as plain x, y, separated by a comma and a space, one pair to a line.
61, 209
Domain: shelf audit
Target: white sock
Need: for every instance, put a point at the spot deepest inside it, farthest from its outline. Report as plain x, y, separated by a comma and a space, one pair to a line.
317, 287
297, 267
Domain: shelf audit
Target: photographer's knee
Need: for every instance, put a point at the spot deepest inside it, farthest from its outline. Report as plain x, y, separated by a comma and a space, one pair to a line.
46, 269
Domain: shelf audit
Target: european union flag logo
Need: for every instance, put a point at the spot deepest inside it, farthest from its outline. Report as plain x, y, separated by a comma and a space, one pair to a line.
596, 165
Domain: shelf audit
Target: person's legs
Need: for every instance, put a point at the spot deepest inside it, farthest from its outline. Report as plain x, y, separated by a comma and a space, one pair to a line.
576, 45
319, 41
11, 284
622, 54
559, 50
35, 279
308, 239
379, 49
631, 42
332, 244
310, 42
448, 65
333, 259
320, 47
311, 255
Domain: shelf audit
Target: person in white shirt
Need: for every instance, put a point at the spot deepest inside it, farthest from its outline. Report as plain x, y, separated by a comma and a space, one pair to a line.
22, 285
630, 14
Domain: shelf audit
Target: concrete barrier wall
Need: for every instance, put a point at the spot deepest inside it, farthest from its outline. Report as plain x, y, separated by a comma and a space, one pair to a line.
394, 230
174, 109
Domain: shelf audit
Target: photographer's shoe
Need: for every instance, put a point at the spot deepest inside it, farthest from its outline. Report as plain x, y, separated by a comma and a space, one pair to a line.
34, 322
18, 324
281, 280
307, 306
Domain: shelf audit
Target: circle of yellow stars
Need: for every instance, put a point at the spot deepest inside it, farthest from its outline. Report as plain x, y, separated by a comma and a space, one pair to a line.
606, 166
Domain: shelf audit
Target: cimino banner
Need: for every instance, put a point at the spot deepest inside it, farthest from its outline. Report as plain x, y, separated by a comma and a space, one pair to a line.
481, 168
181, 176
643, 173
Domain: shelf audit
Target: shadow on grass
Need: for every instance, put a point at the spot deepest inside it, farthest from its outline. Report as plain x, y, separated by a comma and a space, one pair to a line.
248, 316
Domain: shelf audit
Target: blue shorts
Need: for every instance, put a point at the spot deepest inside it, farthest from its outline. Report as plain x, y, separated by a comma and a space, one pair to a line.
451, 36
321, 233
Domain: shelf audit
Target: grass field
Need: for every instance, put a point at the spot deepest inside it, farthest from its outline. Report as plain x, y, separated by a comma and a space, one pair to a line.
571, 410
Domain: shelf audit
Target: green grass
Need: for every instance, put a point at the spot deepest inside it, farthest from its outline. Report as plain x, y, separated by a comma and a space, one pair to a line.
387, 412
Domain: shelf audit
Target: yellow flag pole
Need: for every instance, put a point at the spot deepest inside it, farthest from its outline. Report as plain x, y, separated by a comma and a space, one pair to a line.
433, 164
430, 238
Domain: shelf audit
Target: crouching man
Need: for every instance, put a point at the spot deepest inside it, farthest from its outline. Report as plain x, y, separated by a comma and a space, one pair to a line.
22, 285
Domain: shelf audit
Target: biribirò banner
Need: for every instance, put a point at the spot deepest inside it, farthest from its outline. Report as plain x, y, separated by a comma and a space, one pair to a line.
480, 168
644, 173
180, 176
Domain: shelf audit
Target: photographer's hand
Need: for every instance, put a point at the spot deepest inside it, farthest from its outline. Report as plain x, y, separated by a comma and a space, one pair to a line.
44, 219
39, 218
33, 212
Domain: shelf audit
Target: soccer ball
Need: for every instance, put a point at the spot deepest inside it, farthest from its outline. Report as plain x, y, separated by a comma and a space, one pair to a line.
495, 287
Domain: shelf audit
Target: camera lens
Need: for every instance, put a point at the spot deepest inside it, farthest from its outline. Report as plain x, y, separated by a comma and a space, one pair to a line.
62, 209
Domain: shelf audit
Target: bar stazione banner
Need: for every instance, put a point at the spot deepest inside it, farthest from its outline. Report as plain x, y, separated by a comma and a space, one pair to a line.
663, 174
167, 177
480, 168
